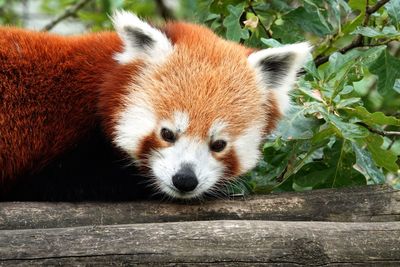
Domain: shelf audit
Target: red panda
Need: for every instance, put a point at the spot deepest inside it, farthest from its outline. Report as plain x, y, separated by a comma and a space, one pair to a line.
188, 107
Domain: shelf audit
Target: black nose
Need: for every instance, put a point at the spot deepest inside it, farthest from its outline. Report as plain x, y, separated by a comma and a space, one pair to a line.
185, 179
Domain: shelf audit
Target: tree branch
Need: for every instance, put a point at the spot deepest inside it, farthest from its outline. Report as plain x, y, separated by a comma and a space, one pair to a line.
358, 40
378, 5
377, 131
69, 12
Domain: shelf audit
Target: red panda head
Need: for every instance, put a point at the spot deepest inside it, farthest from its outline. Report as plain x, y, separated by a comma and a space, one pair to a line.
197, 107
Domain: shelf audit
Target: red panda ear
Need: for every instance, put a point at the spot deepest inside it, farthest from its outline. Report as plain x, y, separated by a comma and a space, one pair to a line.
140, 40
276, 68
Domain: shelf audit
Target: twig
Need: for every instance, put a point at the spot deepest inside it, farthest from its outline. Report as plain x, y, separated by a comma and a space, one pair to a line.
378, 5
358, 40
69, 12
268, 32
377, 131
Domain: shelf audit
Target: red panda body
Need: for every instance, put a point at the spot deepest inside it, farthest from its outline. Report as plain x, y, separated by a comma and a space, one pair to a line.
184, 104
48, 90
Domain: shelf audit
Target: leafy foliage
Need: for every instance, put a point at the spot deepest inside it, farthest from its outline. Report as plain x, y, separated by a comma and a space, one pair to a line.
7, 13
343, 126
336, 133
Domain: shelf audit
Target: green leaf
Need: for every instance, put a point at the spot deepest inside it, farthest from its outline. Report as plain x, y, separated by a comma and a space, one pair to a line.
365, 57
362, 86
312, 24
114, 5
337, 62
348, 102
366, 165
393, 9
357, 5
271, 42
295, 125
360, 5
387, 68
234, 31
221, 6
340, 64
324, 135
387, 31
274, 163
382, 157
211, 17
280, 32
396, 86
280, 5
310, 67
343, 4
347, 130
341, 159
312, 175
372, 119
334, 17
312, 8
306, 87
351, 25
346, 90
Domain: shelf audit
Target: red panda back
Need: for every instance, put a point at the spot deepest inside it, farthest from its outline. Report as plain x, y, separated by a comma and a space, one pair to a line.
48, 94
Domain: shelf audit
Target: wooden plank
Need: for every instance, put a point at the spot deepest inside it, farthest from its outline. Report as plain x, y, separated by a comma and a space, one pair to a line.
206, 242
372, 203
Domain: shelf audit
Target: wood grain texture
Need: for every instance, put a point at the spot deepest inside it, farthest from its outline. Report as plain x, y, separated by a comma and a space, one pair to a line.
363, 204
206, 242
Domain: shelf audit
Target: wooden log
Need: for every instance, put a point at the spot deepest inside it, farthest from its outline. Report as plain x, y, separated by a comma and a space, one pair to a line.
206, 242
368, 204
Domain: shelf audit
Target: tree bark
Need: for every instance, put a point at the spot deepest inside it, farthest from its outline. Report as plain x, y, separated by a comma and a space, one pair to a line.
206, 242
362, 204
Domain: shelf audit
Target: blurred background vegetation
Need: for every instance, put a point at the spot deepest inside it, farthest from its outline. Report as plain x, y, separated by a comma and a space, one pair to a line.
344, 127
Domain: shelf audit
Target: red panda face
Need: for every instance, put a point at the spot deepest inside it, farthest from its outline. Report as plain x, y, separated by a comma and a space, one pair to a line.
195, 114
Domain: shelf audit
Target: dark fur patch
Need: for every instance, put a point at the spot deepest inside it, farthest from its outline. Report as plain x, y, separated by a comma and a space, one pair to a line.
148, 144
93, 170
139, 38
276, 67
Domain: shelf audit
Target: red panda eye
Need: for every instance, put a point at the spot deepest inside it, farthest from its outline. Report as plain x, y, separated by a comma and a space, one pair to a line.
218, 146
168, 135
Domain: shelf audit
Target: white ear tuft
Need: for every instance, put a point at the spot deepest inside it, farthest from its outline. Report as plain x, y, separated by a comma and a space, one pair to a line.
276, 69
141, 41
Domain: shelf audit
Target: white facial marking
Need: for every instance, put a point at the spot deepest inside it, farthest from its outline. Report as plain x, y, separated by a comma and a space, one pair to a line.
134, 123
181, 121
156, 52
279, 81
217, 130
168, 162
247, 147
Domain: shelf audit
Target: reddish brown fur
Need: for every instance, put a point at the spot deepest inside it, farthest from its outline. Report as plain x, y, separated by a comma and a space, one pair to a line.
48, 91
222, 74
113, 91
148, 145
218, 80
273, 113
231, 164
